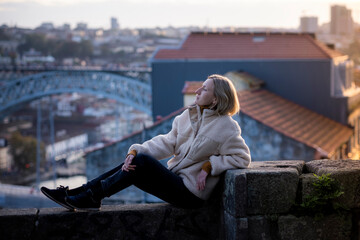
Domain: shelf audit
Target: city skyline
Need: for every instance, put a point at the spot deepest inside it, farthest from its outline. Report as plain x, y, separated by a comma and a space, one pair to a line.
163, 13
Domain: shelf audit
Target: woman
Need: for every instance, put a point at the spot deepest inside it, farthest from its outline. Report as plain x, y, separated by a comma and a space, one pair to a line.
204, 142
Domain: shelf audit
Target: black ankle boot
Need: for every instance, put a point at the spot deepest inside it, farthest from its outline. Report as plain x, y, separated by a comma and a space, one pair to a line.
84, 201
87, 200
58, 195
76, 191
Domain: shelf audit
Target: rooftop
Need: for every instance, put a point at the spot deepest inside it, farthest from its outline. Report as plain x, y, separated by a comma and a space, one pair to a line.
294, 121
218, 45
290, 119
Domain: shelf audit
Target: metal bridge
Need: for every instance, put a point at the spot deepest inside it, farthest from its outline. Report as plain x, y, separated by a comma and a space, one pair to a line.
135, 92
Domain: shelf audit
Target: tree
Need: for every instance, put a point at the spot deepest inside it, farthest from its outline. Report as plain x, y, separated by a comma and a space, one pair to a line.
66, 49
74, 49
85, 49
35, 41
354, 51
4, 36
57, 48
23, 150
105, 50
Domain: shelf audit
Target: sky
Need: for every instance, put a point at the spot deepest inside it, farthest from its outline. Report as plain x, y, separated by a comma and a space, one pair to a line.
164, 13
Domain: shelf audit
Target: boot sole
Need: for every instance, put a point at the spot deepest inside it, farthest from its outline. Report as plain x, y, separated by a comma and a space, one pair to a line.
65, 204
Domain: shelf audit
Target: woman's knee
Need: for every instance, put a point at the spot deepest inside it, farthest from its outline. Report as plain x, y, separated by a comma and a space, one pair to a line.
142, 159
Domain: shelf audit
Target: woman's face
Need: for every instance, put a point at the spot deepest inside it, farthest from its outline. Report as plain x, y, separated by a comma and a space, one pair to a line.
205, 95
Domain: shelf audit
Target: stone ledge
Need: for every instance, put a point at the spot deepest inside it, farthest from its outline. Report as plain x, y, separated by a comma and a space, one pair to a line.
17, 223
347, 172
142, 221
264, 188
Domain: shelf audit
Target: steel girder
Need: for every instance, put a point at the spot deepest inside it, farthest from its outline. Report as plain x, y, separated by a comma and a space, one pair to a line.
130, 91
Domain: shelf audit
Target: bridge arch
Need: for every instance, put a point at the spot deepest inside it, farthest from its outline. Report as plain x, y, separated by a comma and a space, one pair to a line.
129, 91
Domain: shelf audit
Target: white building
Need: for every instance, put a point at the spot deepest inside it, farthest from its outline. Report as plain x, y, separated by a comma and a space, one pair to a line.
5, 158
114, 24
341, 21
66, 147
308, 24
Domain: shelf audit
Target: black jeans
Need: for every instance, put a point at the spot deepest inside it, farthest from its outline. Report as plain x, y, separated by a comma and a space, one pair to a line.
150, 176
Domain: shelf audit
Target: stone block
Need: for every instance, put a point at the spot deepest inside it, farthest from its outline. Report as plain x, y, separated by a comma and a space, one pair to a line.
235, 193
235, 228
271, 190
306, 181
262, 227
17, 223
347, 172
295, 164
331, 227
142, 221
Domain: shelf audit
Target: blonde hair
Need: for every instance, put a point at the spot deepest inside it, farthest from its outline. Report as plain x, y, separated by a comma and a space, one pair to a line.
226, 95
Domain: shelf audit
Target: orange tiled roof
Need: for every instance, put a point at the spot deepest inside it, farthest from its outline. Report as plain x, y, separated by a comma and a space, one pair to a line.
294, 121
200, 45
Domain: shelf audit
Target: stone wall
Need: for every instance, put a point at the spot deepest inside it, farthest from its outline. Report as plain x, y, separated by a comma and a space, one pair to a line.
143, 221
259, 201
266, 144
254, 203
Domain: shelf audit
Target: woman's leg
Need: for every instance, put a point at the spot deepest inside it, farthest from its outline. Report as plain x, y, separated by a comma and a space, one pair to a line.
149, 175
59, 194
152, 177
103, 176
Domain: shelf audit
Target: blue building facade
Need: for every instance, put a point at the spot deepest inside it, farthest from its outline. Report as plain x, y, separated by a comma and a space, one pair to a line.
306, 82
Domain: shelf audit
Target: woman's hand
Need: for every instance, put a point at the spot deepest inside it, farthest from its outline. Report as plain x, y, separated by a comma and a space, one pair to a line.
127, 164
201, 180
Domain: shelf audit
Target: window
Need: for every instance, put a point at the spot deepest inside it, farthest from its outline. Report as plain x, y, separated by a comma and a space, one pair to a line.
258, 39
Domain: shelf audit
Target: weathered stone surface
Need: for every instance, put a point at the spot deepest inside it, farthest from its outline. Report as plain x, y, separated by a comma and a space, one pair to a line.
347, 172
296, 164
235, 193
306, 181
235, 228
271, 190
17, 223
262, 227
143, 221
332, 227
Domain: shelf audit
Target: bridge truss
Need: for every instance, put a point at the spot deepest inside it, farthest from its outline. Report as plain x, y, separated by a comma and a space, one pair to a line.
130, 91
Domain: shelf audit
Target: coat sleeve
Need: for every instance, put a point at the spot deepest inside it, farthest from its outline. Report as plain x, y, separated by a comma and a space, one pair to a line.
161, 146
234, 154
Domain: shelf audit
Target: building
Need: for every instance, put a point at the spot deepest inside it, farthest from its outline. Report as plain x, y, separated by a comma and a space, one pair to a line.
275, 128
66, 146
341, 21
296, 67
5, 158
114, 24
35, 56
81, 26
308, 24
292, 65
47, 26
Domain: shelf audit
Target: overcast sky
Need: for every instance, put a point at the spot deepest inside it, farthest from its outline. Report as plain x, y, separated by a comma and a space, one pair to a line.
163, 13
